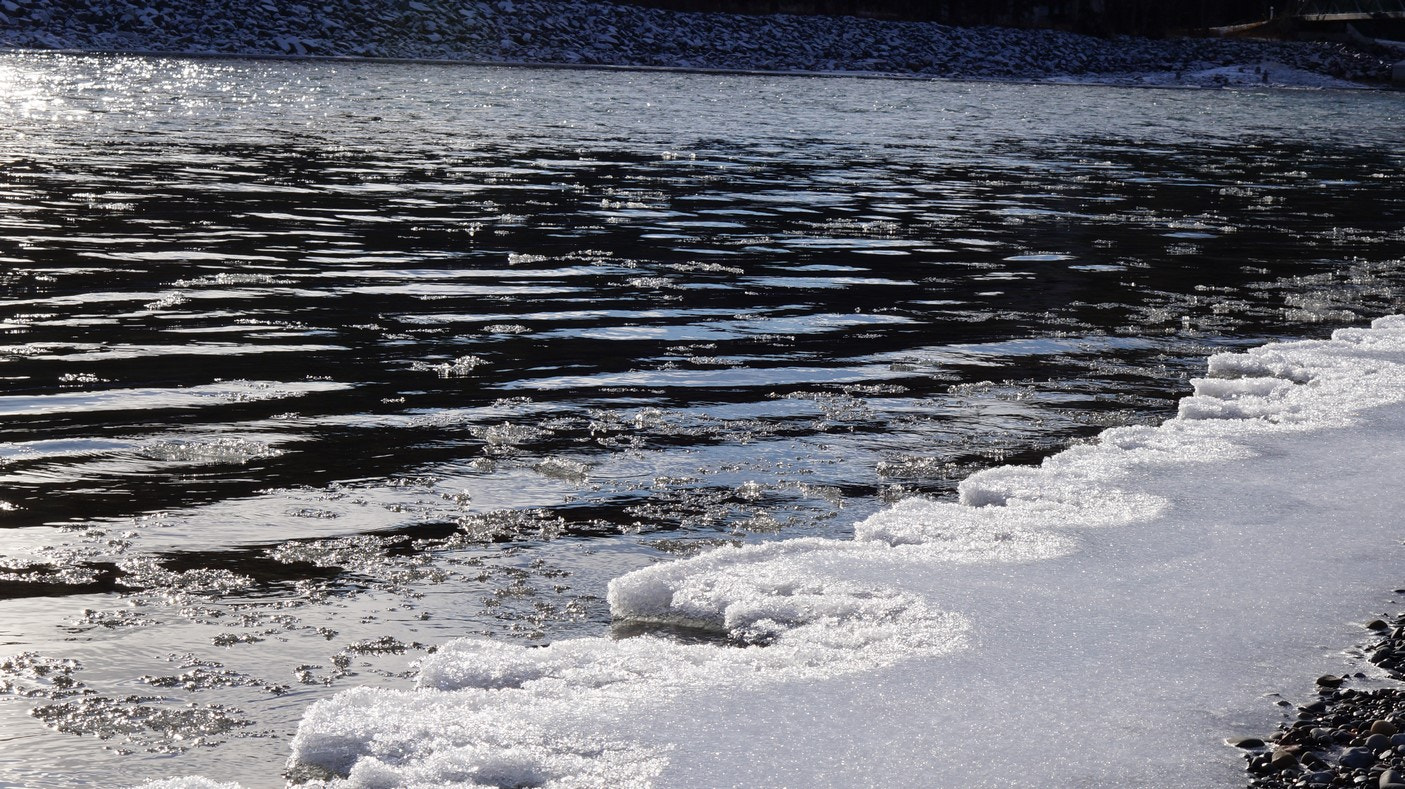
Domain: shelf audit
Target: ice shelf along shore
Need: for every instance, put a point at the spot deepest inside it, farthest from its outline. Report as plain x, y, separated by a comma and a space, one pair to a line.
1107, 618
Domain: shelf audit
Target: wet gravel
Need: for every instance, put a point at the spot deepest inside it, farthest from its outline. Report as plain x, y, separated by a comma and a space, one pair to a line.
1351, 735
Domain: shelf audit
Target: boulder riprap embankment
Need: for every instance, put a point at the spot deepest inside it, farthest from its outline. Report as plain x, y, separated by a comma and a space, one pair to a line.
559, 31
1348, 736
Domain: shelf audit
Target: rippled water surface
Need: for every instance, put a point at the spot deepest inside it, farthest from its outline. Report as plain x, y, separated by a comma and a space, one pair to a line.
308, 367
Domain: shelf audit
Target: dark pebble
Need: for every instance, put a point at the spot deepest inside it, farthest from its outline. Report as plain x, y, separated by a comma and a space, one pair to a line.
1393, 778
1245, 742
1377, 743
1358, 758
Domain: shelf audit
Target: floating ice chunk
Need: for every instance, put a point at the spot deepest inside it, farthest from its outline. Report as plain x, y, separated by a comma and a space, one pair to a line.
458, 368
508, 434
211, 451
32, 675
227, 278
563, 469
167, 301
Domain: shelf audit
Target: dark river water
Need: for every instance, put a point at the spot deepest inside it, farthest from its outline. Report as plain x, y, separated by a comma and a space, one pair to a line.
308, 367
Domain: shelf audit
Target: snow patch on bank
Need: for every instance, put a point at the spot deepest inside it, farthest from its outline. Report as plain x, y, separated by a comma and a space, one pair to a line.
1084, 599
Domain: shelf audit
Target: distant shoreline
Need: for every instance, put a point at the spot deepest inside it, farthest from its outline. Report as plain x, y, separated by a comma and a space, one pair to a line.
1122, 81
595, 34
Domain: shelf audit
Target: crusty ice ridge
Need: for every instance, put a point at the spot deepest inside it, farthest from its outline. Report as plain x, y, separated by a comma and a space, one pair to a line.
1043, 588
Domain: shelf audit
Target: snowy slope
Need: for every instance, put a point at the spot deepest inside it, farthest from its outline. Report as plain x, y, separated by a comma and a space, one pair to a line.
1106, 618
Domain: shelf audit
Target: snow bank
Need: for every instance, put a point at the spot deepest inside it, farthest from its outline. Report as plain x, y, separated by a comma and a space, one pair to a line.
1105, 618
585, 32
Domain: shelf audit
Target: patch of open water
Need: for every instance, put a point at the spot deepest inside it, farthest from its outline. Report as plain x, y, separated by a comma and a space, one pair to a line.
309, 367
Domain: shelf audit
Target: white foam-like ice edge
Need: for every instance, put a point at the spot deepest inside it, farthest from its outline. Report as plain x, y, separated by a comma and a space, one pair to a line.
1104, 618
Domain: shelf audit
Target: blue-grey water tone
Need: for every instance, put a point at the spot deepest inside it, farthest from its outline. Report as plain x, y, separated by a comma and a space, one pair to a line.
309, 367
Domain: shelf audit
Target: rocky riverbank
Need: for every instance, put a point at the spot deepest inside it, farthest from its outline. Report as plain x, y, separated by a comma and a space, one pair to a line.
561, 32
1348, 736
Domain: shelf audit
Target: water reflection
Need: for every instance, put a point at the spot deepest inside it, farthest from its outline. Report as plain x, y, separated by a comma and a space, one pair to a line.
309, 367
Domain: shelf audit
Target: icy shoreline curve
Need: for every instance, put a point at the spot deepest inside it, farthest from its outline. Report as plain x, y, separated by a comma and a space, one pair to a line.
1106, 618
602, 33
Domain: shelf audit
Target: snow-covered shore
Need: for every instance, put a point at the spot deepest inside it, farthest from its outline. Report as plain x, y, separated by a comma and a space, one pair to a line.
1107, 618
561, 32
